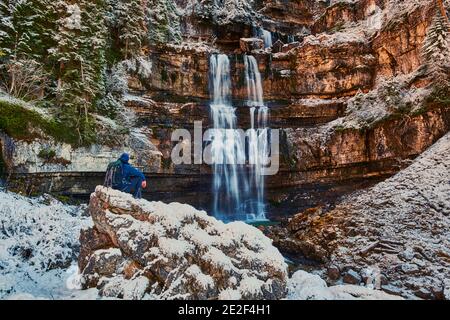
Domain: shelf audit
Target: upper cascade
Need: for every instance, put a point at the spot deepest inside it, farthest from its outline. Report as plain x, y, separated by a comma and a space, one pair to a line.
254, 82
267, 37
220, 77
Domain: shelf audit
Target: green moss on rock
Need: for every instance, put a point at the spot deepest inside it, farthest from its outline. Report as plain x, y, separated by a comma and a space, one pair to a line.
47, 154
21, 123
440, 95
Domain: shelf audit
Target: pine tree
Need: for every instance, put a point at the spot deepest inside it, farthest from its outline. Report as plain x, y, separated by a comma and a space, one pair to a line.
163, 21
131, 28
24, 39
15, 28
80, 55
436, 48
94, 46
25, 28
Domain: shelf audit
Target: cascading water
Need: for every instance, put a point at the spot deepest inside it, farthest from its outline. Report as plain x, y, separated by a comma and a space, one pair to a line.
227, 150
253, 81
258, 139
238, 183
267, 37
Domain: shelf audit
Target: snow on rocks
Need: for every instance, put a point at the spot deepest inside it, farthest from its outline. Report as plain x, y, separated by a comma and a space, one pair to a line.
338, 38
306, 286
38, 242
389, 98
227, 11
398, 227
173, 251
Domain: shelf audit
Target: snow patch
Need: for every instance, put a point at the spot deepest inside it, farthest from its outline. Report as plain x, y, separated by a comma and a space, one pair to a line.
306, 286
38, 242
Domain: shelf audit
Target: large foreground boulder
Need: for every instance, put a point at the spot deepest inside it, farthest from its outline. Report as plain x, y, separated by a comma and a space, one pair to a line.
139, 249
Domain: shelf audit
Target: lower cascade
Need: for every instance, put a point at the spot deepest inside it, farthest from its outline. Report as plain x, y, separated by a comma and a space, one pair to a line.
238, 159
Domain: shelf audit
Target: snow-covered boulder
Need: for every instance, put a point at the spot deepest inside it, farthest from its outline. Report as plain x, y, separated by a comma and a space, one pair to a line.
173, 251
307, 286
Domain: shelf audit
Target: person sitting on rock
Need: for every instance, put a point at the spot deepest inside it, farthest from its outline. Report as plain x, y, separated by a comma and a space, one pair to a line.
122, 176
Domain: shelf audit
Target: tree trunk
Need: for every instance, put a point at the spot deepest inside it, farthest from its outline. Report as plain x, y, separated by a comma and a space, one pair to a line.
13, 81
13, 67
61, 68
82, 71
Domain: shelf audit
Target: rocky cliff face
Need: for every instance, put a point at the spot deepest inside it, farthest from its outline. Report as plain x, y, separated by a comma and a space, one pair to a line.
321, 153
177, 71
354, 46
398, 45
392, 236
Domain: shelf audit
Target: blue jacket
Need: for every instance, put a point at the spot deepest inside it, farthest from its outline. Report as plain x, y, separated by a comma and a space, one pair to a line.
129, 172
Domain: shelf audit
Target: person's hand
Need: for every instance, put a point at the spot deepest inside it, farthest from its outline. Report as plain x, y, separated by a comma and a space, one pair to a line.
144, 184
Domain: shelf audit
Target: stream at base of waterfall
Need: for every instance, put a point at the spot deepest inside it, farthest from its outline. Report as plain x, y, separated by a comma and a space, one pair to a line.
238, 180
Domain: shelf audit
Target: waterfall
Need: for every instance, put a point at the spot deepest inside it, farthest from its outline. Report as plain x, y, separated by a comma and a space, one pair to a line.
220, 73
230, 186
253, 81
267, 37
238, 161
258, 139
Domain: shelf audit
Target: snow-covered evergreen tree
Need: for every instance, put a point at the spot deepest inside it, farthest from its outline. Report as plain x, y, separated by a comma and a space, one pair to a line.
25, 27
15, 28
116, 85
130, 24
80, 55
444, 7
94, 46
24, 39
436, 51
116, 81
163, 21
